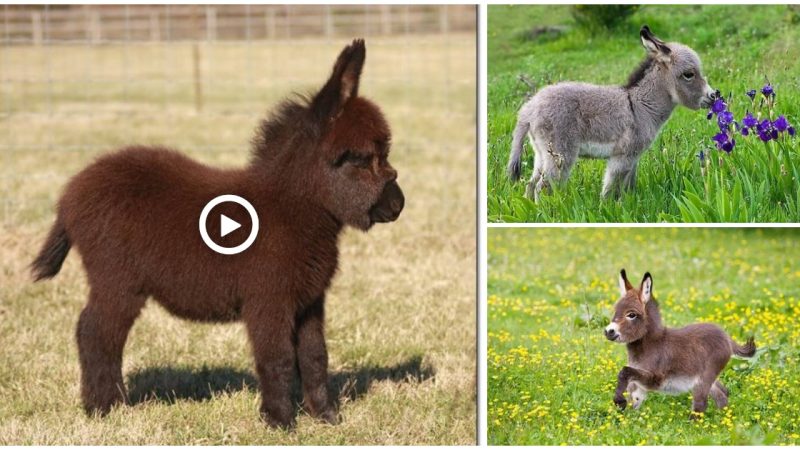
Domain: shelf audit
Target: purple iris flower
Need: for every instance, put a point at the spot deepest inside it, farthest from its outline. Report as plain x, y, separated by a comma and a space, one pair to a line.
781, 124
791, 131
749, 121
728, 146
745, 132
767, 90
724, 142
751, 93
764, 135
710, 115
724, 119
718, 106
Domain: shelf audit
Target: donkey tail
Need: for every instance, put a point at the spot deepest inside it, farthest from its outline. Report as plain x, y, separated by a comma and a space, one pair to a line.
747, 350
517, 148
53, 253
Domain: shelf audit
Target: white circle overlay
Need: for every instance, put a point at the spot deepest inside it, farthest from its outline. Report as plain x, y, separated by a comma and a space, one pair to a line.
253, 230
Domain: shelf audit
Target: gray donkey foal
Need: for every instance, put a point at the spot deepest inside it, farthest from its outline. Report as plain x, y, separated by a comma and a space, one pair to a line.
618, 123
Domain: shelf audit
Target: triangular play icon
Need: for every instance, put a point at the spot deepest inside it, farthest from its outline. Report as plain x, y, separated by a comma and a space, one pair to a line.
227, 225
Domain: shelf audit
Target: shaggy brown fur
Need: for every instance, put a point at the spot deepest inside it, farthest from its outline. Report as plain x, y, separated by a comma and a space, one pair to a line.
133, 216
671, 360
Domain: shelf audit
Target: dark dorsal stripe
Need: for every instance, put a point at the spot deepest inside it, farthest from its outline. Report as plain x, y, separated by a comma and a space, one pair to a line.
640, 72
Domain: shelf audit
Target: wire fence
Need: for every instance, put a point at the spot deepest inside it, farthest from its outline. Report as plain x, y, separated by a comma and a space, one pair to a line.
108, 24
90, 78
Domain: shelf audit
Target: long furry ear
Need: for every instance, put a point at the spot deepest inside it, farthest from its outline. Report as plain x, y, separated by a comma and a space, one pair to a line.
656, 48
646, 289
343, 83
624, 284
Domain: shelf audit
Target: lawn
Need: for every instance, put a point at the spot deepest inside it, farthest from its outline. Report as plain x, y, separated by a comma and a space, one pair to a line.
400, 316
552, 373
739, 46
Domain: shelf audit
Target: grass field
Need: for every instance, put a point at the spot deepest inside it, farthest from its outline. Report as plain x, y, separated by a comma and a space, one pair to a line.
552, 373
739, 45
400, 315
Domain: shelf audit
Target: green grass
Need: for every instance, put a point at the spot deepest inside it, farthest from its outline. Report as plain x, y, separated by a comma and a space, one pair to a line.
552, 374
400, 316
738, 45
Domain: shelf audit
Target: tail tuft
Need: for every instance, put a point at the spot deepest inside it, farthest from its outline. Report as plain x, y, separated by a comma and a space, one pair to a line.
747, 350
514, 169
53, 253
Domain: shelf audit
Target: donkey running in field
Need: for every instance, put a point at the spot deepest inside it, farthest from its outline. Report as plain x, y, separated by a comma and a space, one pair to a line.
618, 123
670, 360
317, 165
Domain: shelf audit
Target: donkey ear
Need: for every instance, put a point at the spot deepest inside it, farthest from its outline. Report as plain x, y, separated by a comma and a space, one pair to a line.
343, 83
656, 48
646, 290
624, 284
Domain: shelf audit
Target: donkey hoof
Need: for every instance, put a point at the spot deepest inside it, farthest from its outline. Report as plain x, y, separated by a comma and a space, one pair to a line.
695, 415
329, 415
285, 423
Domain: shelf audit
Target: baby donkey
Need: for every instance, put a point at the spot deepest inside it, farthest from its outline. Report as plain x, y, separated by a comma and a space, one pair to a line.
618, 123
669, 360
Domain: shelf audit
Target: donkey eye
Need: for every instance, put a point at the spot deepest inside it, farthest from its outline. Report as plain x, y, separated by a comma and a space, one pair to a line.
350, 157
688, 76
630, 315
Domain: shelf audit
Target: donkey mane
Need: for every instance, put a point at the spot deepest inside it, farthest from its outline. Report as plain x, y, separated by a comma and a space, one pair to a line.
287, 122
638, 75
654, 324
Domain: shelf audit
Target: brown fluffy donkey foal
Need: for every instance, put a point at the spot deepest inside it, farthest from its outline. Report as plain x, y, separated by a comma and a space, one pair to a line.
670, 360
317, 165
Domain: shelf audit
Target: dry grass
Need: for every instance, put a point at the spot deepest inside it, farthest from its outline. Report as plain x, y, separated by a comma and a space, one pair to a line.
401, 317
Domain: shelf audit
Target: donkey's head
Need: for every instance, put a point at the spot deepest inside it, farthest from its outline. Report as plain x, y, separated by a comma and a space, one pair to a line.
630, 321
680, 70
334, 150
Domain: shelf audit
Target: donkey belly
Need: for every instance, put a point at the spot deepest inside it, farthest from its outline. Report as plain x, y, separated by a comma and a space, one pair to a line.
678, 385
601, 150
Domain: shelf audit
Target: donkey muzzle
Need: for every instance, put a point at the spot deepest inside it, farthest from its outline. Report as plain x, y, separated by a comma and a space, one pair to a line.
389, 204
611, 334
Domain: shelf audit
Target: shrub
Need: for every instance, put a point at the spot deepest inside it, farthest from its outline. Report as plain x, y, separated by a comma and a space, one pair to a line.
593, 17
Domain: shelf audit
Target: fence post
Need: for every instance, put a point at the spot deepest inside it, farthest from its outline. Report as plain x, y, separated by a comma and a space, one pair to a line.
198, 83
94, 27
211, 23
328, 22
155, 27
36, 28
386, 19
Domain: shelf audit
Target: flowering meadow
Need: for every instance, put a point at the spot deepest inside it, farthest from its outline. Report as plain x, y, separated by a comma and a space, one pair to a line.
737, 162
552, 373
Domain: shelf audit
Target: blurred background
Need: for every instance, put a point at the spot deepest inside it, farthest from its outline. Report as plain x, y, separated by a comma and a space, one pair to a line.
79, 81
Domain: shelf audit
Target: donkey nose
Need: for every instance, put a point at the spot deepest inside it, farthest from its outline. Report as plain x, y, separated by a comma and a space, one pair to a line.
610, 334
715, 95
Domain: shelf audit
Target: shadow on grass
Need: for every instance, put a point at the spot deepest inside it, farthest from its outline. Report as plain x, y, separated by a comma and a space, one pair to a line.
172, 384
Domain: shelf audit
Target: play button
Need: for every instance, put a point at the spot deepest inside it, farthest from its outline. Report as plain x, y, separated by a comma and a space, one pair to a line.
228, 225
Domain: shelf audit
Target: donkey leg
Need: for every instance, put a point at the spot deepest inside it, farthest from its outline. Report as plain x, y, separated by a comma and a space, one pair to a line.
627, 375
271, 336
620, 171
530, 189
102, 331
557, 165
637, 393
312, 360
720, 394
700, 398
538, 166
